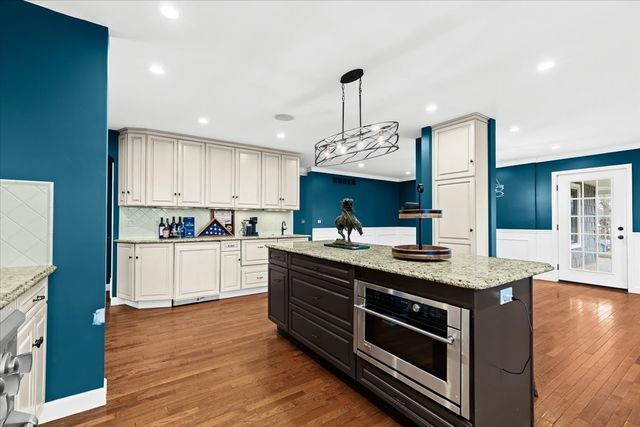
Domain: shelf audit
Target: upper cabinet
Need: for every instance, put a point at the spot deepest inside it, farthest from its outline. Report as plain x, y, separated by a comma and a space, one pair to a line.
220, 183
248, 189
159, 170
280, 181
454, 151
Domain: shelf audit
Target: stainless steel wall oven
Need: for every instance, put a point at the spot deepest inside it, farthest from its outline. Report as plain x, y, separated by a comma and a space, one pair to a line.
421, 342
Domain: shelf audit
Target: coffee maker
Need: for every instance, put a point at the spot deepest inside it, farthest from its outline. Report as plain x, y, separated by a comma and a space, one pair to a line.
251, 226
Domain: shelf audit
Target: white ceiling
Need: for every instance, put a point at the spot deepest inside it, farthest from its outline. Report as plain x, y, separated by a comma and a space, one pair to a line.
240, 63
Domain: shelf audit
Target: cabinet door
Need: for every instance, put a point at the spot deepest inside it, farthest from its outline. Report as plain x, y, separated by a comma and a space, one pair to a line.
271, 176
122, 170
24, 400
219, 176
455, 229
290, 192
255, 251
191, 173
161, 171
39, 357
230, 271
247, 178
453, 151
278, 296
153, 272
136, 170
254, 276
197, 270
124, 274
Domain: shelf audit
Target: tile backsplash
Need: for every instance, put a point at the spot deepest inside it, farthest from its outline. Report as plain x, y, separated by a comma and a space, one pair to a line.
26, 223
142, 222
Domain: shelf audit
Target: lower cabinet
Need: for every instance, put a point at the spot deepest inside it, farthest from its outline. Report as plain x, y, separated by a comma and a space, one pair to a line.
278, 307
230, 271
254, 276
153, 272
32, 337
197, 270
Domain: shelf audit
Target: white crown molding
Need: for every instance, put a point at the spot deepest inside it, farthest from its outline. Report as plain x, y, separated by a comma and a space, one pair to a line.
73, 404
462, 119
569, 155
357, 174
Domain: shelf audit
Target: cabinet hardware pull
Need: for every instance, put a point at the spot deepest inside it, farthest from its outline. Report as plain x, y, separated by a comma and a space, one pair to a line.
128, 192
179, 194
175, 194
471, 161
260, 247
314, 336
398, 400
137, 257
471, 230
38, 298
37, 343
315, 297
130, 257
260, 277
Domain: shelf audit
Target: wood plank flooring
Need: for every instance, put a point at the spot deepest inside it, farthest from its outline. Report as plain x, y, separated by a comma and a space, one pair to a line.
222, 363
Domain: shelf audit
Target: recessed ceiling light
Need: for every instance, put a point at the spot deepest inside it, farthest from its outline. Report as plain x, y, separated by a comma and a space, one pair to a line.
284, 117
555, 147
546, 65
169, 11
407, 173
360, 165
203, 120
431, 108
514, 129
156, 69
280, 135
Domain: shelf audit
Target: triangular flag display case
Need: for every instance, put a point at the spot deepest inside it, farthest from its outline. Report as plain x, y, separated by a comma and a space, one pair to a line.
214, 228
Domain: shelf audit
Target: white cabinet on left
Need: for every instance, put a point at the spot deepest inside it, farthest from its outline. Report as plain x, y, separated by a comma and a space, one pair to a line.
145, 272
132, 169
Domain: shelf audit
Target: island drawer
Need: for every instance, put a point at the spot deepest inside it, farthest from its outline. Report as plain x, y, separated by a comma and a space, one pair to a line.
329, 301
278, 257
328, 270
324, 339
409, 402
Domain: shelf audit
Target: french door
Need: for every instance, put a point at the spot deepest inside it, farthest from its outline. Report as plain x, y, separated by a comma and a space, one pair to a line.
592, 232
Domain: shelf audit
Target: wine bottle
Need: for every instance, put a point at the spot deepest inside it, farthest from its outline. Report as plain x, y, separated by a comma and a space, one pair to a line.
180, 227
174, 228
161, 228
166, 233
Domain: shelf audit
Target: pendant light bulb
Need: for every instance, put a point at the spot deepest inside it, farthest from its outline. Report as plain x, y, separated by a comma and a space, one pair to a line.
360, 143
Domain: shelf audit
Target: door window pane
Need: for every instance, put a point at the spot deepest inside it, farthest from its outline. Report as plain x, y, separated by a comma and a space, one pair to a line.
576, 189
576, 206
576, 260
589, 224
589, 207
604, 263
590, 188
589, 242
604, 206
590, 261
604, 187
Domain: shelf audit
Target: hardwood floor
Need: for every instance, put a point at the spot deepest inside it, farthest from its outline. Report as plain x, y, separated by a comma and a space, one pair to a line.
222, 363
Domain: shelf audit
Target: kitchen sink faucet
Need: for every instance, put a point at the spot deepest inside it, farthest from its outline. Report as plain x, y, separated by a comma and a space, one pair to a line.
283, 227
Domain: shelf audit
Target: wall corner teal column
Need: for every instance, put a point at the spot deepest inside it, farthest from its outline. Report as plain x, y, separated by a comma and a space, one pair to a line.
491, 146
424, 176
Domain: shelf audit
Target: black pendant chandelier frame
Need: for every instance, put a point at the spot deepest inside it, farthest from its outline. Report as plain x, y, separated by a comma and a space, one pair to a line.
357, 144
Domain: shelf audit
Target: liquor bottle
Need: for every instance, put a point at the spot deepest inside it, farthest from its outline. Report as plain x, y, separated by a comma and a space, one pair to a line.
174, 228
166, 233
161, 228
180, 227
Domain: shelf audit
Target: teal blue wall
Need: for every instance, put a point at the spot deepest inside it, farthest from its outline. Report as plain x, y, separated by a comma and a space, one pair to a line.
376, 202
113, 152
424, 176
527, 200
53, 115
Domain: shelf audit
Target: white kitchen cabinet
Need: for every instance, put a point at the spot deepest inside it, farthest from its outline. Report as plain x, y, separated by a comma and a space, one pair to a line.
271, 181
255, 252
247, 176
25, 400
135, 175
280, 181
197, 270
191, 176
161, 171
153, 267
290, 183
230, 271
122, 170
124, 274
254, 276
461, 185
220, 176
39, 349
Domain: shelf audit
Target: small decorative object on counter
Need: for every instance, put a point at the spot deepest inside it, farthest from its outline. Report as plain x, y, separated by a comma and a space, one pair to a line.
161, 228
166, 231
189, 227
420, 252
214, 228
347, 221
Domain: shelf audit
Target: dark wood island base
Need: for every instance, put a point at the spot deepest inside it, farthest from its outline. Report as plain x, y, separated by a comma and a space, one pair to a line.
311, 300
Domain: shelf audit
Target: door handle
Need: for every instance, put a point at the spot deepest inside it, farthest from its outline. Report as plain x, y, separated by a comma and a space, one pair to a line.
620, 228
620, 236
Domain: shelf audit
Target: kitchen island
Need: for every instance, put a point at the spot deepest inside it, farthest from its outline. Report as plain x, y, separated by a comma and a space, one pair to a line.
445, 343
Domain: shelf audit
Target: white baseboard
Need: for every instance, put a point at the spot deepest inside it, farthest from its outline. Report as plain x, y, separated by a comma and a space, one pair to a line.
164, 303
634, 256
243, 292
116, 301
74, 404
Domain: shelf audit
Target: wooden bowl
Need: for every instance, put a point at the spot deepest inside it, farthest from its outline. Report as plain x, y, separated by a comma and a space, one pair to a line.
427, 253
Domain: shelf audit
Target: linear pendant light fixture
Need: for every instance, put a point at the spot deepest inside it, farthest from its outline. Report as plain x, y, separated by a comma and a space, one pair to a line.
357, 144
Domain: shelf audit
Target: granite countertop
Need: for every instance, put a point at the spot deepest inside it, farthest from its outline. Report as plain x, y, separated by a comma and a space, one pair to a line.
210, 238
471, 272
14, 281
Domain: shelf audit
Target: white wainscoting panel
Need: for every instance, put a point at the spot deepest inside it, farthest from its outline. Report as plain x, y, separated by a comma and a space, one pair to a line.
390, 236
634, 260
528, 245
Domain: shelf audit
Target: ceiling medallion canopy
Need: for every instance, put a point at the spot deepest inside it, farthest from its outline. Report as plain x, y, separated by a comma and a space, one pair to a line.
357, 144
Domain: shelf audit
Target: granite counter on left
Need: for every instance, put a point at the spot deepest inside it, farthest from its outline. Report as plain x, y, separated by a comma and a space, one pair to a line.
15, 281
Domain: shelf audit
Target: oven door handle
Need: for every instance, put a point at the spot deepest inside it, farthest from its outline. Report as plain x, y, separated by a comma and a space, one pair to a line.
448, 340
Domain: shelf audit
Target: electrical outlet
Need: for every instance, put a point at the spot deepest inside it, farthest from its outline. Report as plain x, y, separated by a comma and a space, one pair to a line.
506, 295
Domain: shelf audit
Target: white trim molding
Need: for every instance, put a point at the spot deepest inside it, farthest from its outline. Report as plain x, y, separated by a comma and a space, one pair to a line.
568, 155
528, 245
634, 267
359, 175
73, 404
389, 236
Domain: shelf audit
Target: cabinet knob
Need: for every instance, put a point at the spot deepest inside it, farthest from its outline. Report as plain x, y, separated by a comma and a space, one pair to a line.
130, 257
38, 298
175, 194
37, 343
128, 192
122, 192
471, 161
179, 194
471, 230
137, 257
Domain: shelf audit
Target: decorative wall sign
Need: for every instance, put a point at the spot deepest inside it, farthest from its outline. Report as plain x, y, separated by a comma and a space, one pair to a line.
499, 189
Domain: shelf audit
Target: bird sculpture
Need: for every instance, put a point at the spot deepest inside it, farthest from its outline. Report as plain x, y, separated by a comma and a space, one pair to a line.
347, 220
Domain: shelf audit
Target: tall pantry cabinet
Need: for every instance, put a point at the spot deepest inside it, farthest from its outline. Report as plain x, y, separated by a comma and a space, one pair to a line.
460, 184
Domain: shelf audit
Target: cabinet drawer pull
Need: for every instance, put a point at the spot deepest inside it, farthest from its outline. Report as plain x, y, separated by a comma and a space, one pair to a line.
315, 297
314, 336
38, 298
399, 401
260, 277
37, 343
260, 247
